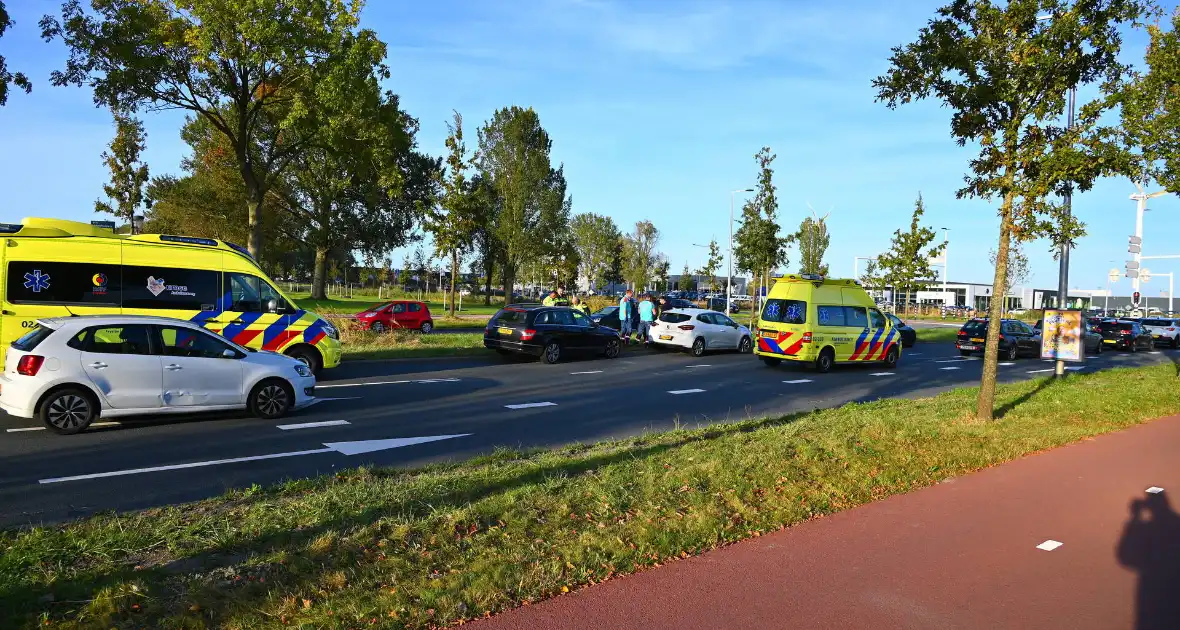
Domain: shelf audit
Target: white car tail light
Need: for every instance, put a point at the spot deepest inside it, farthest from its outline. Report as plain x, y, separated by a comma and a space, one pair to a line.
29, 364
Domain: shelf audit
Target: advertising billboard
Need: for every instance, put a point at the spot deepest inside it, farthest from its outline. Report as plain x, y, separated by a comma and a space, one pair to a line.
1061, 336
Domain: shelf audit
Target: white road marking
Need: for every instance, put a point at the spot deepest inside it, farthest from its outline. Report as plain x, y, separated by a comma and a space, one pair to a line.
1075, 367
882, 374
1049, 545
426, 380
93, 424
677, 392
344, 448
1040, 371
532, 405
689, 367
914, 354
1154, 490
1154, 352
1006, 364
954, 360
797, 381
590, 372
953, 367
312, 425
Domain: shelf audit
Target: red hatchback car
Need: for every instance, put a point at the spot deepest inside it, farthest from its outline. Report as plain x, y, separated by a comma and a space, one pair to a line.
400, 314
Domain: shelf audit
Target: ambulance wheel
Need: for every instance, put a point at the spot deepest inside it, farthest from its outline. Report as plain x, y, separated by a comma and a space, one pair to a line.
891, 357
307, 356
823, 363
771, 361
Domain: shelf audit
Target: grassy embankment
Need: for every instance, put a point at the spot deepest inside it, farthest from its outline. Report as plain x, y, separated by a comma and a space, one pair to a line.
393, 548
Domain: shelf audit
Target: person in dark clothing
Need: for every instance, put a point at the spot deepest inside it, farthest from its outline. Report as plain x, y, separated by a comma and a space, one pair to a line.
562, 298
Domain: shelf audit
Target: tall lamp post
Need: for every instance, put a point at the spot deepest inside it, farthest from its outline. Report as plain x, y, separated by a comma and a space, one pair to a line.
1067, 198
729, 278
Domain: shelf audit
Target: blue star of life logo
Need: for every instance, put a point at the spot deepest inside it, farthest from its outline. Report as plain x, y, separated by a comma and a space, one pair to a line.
772, 311
37, 281
794, 313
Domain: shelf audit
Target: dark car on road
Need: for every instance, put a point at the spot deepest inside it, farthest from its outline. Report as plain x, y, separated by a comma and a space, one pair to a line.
909, 336
608, 317
1126, 335
676, 303
549, 332
1016, 338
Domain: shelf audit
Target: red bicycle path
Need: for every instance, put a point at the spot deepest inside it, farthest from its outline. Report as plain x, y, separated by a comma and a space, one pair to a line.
960, 554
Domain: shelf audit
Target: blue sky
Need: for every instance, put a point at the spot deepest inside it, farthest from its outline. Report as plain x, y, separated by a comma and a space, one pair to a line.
656, 109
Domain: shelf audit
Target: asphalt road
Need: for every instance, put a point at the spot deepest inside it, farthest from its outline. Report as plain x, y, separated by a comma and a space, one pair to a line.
480, 400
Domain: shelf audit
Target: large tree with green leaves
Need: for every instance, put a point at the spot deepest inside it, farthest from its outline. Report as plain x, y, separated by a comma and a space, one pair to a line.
128, 172
265, 73
1150, 110
358, 184
1004, 74
595, 237
639, 254
454, 220
758, 248
712, 265
531, 204
7, 77
812, 239
906, 265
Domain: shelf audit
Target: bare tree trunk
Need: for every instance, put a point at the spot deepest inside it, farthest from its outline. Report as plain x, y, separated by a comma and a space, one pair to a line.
987, 386
319, 278
454, 278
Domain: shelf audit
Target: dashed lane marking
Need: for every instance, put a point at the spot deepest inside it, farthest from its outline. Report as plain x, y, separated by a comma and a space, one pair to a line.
312, 425
953, 367
1049, 545
532, 405
589, 372
689, 367
798, 381
677, 392
882, 374
954, 360
1006, 364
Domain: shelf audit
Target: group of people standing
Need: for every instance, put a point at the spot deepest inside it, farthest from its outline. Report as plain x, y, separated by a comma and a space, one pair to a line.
638, 316
558, 297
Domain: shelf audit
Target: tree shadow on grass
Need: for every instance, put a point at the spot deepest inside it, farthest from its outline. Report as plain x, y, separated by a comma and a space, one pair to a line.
1007, 407
23, 601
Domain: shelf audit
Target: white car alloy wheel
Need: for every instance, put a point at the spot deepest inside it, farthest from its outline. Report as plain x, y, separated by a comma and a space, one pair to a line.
67, 412
745, 345
271, 399
698, 347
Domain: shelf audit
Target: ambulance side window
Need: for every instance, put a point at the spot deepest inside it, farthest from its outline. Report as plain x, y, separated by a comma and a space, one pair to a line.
876, 318
830, 315
855, 317
251, 294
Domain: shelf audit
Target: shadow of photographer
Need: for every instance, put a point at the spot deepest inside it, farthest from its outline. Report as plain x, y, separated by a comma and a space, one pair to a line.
1150, 545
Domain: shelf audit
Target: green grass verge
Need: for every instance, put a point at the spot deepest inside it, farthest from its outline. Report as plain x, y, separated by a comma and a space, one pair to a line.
408, 344
359, 303
941, 334
393, 548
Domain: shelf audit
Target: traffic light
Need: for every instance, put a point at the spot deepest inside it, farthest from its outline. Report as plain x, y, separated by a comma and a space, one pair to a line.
1135, 298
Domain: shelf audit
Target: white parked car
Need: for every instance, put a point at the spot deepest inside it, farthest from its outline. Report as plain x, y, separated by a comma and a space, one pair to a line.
70, 370
700, 331
1163, 331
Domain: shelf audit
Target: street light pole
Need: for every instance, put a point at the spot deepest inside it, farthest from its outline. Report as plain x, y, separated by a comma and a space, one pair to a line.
729, 278
946, 261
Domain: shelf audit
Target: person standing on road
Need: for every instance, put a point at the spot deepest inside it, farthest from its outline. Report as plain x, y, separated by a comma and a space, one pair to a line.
625, 312
551, 300
646, 316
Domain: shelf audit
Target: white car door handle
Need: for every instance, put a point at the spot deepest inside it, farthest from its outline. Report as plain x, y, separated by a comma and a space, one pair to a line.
173, 367
98, 365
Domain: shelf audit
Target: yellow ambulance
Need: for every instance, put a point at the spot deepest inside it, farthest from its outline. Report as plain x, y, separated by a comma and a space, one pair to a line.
55, 268
811, 319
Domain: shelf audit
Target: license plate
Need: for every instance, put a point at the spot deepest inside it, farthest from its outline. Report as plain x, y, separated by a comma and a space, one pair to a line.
504, 331
967, 347
1109, 341
666, 337
977, 341
1159, 336
773, 334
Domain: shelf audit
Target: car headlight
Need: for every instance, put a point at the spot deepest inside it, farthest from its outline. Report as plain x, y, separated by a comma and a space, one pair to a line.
303, 370
331, 331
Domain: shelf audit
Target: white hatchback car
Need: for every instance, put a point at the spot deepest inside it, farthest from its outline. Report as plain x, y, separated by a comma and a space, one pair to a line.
1163, 331
700, 330
70, 370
